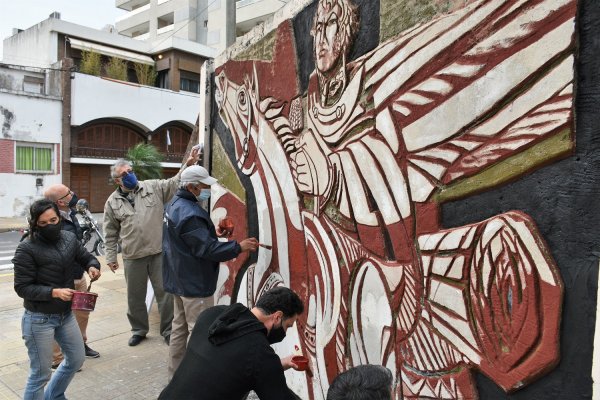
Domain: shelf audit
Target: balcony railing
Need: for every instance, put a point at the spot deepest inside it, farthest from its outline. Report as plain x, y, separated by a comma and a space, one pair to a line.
94, 152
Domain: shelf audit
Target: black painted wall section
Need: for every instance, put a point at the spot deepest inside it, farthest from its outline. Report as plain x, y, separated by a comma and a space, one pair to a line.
563, 200
366, 40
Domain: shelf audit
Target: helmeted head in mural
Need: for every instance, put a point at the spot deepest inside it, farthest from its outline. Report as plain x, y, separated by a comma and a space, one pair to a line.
334, 29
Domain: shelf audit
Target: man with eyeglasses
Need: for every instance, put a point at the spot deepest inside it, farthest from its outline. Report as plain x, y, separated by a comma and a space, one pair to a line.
66, 201
133, 213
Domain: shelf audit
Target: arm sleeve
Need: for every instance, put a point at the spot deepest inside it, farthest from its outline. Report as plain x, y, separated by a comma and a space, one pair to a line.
270, 381
111, 228
196, 234
26, 284
167, 187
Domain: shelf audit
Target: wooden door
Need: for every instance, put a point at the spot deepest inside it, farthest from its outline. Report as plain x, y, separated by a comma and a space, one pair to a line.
81, 181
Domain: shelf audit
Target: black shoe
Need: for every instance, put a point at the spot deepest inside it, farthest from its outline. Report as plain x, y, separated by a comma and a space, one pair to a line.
136, 339
168, 339
91, 353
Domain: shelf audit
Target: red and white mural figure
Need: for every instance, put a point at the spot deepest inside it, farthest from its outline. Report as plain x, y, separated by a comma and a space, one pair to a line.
346, 176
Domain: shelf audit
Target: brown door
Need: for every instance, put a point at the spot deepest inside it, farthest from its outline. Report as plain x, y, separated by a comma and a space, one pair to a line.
81, 181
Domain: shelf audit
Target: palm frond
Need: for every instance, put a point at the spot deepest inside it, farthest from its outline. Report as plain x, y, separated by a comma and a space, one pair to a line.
145, 160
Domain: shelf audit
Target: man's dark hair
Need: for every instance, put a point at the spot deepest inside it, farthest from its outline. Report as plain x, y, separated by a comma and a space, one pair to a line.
280, 299
364, 382
38, 208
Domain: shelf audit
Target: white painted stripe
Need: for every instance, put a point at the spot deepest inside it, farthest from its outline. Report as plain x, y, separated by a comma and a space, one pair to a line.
503, 78
537, 94
6, 258
11, 251
429, 44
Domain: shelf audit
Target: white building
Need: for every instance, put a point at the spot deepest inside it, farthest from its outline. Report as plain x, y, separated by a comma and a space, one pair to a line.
31, 120
60, 125
202, 21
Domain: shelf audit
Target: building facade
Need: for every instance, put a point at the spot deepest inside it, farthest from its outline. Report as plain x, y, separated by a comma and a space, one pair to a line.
202, 21
82, 122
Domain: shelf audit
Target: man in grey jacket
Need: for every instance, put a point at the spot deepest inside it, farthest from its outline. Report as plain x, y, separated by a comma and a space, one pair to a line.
133, 213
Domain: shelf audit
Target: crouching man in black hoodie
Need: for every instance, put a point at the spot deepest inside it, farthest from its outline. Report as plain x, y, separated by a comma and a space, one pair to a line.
229, 351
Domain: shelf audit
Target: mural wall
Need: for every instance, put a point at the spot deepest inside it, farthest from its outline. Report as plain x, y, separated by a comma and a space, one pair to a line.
386, 154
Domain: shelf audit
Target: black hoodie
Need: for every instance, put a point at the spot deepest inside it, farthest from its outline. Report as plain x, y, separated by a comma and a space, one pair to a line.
227, 356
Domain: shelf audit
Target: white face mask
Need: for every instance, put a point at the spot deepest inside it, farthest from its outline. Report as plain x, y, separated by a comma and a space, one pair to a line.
204, 194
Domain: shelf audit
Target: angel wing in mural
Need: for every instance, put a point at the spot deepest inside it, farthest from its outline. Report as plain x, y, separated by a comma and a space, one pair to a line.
354, 167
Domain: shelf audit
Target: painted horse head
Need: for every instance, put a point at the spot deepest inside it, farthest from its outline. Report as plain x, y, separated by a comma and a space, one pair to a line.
250, 120
238, 106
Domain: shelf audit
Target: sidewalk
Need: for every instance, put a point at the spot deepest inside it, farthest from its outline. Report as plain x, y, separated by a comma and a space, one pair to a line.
121, 372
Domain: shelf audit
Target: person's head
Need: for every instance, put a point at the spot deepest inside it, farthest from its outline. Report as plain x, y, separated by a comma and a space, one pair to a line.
278, 310
123, 175
196, 180
64, 198
334, 29
364, 382
44, 219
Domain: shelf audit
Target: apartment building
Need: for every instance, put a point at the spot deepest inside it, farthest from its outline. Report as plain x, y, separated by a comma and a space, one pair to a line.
201, 21
62, 125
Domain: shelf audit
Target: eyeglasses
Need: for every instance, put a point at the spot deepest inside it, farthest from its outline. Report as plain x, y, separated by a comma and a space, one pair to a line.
68, 193
125, 173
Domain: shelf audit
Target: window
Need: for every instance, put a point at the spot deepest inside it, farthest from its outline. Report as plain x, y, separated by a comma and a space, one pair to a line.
33, 84
163, 79
189, 85
189, 82
34, 157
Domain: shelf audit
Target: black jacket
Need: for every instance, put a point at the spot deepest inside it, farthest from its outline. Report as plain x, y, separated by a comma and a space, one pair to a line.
227, 356
191, 249
41, 266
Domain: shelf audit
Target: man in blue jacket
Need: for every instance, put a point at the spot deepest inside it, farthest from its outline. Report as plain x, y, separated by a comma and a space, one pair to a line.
191, 257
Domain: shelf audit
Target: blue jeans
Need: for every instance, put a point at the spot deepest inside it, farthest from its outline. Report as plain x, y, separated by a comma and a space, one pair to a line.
39, 332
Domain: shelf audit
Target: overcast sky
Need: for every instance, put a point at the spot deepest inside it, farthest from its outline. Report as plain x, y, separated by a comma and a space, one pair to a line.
23, 14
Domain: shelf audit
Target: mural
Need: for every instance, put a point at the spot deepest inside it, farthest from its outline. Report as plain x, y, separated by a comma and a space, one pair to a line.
349, 173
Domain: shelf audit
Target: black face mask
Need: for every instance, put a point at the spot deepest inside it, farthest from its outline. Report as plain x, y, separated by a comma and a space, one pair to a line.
276, 335
73, 201
50, 232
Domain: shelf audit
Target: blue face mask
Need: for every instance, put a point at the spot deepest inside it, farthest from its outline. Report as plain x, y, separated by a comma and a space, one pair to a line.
204, 195
130, 181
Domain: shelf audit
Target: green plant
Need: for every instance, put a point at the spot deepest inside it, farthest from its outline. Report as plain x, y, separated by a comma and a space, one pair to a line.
145, 160
117, 69
91, 63
146, 74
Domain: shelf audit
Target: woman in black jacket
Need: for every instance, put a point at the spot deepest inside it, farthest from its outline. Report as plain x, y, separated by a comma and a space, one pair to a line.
44, 279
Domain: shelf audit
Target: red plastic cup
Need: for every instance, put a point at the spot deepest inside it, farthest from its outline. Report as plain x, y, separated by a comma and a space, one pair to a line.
226, 225
301, 362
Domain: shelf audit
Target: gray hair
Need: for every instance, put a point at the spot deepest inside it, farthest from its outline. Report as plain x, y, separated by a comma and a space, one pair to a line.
183, 185
120, 162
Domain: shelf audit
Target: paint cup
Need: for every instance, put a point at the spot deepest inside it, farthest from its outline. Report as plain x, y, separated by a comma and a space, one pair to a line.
301, 362
85, 301
226, 225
